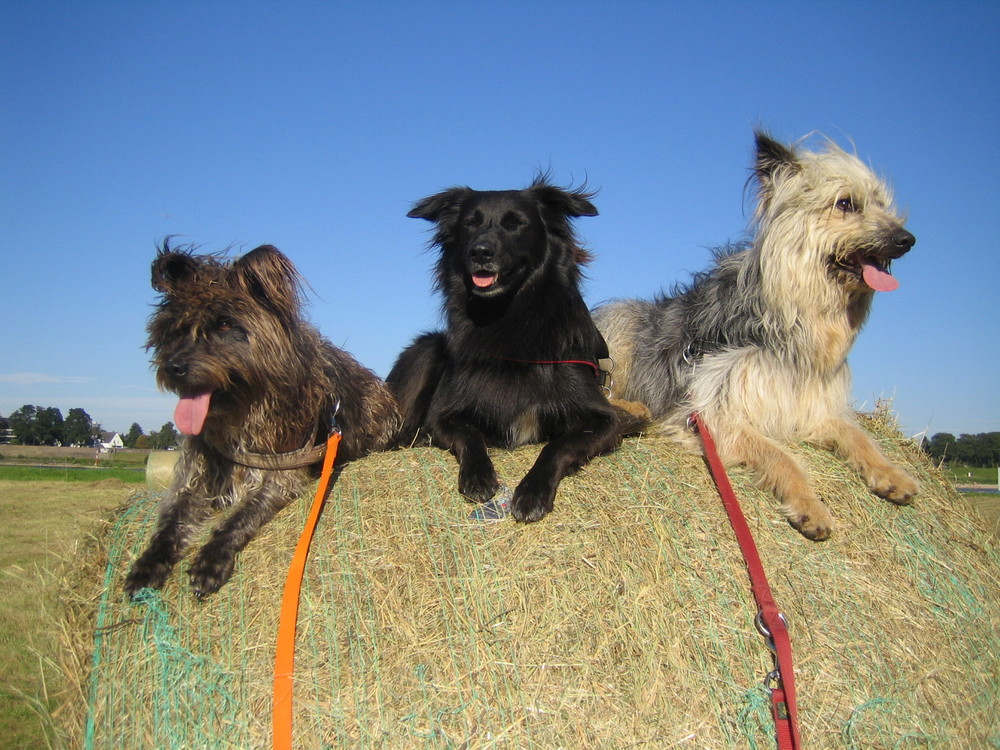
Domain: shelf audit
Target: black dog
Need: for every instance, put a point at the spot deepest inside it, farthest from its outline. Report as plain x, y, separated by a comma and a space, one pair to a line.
519, 361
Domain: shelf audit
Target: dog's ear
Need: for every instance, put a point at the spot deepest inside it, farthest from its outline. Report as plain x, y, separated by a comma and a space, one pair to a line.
172, 268
270, 277
772, 158
566, 202
440, 207
773, 161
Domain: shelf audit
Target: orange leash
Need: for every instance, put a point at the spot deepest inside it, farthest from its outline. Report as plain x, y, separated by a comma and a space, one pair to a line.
284, 656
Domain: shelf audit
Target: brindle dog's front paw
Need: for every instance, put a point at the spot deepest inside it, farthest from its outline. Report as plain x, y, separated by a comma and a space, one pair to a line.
211, 569
146, 573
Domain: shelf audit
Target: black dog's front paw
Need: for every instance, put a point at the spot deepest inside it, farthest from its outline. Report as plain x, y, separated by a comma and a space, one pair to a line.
532, 501
146, 573
211, 569
478, 481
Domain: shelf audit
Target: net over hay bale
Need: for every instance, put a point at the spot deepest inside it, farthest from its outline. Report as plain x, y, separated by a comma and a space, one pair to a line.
624, 619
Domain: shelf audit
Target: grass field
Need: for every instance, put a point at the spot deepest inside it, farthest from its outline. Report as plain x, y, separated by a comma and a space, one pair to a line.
40, 455
972, 475
47, 516
44, 521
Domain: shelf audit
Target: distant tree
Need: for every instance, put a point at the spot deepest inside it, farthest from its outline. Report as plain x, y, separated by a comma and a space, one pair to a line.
77, 427
133, 434
142, 442
981, 449
50, 426
940, 446
24, 424
165, 437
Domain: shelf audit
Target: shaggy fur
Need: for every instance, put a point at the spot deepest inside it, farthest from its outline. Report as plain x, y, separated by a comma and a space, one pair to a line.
758, 344
255, 380
509, 270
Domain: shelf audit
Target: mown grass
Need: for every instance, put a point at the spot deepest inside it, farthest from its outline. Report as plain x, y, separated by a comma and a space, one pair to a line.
43, 525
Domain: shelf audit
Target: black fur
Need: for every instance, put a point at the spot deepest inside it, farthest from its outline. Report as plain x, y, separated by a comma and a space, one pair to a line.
479, 383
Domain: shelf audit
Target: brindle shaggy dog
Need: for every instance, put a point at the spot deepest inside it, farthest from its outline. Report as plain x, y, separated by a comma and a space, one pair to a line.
518, 362
758, 344
258, 387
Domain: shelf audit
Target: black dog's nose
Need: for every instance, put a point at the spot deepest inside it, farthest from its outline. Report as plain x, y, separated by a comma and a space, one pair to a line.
481, 252
177, 369
903, 240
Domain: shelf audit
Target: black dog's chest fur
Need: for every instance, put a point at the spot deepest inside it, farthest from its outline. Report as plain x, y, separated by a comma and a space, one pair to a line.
516, 402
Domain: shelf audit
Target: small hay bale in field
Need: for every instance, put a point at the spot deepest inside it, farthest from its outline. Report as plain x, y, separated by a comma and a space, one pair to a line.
160, 469
623, 619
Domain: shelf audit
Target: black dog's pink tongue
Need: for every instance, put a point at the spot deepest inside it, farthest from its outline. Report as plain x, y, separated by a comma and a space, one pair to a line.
189, 416
483, 279
878, 278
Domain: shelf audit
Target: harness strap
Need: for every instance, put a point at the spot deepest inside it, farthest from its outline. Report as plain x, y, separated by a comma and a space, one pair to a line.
770, 621
284, 657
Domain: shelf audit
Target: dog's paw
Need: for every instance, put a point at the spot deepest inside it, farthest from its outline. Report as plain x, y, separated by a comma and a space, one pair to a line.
811, 519
896, 486
478, 482
211, 569
146, 574
532, 501
635, 408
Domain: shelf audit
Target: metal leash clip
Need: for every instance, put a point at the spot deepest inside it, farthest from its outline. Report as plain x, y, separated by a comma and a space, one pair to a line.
765, 631
605, 368
334, 425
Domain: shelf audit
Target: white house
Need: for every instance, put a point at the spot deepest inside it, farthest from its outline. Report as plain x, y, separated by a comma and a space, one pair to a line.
111, 442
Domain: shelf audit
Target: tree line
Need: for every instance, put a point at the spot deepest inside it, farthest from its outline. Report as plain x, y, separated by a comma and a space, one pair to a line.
981, 450
45, 425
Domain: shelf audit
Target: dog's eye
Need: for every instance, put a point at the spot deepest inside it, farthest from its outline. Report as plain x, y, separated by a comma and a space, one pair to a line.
224, 325
846, 205
512, 221
472, 220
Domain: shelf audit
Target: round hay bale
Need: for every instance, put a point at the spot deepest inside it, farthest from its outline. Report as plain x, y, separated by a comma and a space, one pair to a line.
623, 619
160, 469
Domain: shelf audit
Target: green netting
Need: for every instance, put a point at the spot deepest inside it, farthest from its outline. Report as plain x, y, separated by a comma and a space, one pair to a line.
624, 619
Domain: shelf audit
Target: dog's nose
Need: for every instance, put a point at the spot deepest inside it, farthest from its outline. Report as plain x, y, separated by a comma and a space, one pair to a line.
903, 240
177, 369
481, 252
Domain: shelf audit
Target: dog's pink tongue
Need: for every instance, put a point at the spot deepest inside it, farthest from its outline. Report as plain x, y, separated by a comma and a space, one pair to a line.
189, 416
878, 278
483, 280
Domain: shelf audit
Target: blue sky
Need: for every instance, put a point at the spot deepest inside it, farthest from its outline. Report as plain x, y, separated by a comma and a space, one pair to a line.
314, 126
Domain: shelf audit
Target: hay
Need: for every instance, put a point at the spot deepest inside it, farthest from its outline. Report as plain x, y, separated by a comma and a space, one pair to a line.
160, 469
624, 619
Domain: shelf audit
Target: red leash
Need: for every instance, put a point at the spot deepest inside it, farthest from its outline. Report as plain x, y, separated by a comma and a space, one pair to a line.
586, 362
770, 621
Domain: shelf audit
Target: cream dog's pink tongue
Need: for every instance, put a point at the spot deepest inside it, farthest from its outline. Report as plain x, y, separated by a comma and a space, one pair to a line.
189, 416
878, 278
